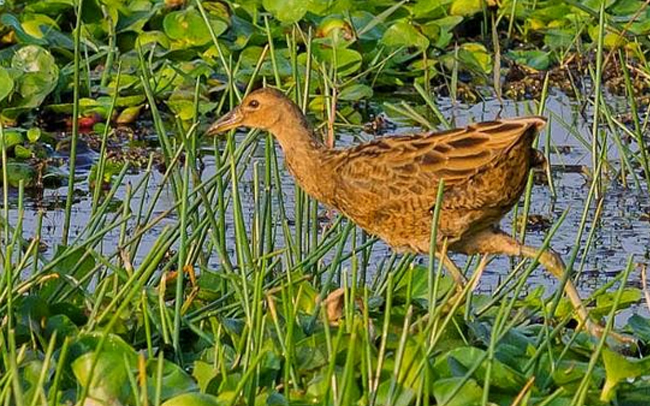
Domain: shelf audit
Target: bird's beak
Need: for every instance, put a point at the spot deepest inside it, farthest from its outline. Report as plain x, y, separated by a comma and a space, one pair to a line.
230, 120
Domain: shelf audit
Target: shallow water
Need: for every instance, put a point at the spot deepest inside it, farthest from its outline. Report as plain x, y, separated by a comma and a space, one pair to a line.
619, 234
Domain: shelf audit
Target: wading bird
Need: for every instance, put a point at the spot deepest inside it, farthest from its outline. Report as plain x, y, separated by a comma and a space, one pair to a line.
388, 186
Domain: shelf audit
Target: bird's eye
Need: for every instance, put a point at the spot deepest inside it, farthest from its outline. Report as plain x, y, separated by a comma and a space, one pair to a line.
254, 104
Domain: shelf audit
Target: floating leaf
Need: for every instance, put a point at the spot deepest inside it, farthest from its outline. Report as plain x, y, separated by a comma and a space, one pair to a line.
619, 368
33, 134
468, 8
347, 61
475, 57
533, 58
13, 137
175, 381
193, 399
129, 115
444, 390
21, 152
403, 33
188, 27
39, 77
20, 171
11, 21
356, 91
287, 11
6, 84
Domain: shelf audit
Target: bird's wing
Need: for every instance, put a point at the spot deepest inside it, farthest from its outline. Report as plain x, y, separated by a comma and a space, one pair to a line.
414, 165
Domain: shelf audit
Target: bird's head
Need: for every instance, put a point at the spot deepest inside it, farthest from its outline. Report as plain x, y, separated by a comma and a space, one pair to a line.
262, 109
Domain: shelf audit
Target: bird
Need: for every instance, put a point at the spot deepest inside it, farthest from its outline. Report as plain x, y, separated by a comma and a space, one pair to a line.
388, 186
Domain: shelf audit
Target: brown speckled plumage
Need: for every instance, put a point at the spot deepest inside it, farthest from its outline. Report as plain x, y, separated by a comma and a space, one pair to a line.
388, 186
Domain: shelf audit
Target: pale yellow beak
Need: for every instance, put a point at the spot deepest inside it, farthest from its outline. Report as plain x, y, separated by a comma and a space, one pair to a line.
230, 120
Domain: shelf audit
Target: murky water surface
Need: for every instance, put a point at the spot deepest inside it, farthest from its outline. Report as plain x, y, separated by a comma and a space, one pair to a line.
623, 230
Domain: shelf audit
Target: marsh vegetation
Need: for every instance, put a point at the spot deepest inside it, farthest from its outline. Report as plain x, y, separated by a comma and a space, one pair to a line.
144, 263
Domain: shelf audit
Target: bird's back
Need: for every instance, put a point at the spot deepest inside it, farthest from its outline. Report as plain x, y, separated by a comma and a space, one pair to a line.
388, 186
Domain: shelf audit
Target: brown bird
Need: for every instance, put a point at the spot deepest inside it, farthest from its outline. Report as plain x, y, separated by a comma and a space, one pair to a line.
388, 186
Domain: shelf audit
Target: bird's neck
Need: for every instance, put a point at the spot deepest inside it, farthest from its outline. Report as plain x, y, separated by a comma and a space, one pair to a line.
304, 156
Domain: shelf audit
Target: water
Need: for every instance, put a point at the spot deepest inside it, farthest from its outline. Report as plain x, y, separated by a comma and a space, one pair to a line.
621, 232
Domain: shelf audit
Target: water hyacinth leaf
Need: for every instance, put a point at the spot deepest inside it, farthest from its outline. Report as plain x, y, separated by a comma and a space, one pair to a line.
91, 12
475, 57
20, 171
404, 34
85, 104
13, 137
62, 326
458, 361
39, 77
363, 19
404, 398
559, 38
21, 152
444, 390
175, 381
640, 326
110, 378
286, 11
129, 115
569, 374
617, 369
468, 8
50, 7
188, 27
10, 20
33, 134
153, 37
355, 92
6, 84
347, 61
533, 58
605, 301
204, 373
193, 399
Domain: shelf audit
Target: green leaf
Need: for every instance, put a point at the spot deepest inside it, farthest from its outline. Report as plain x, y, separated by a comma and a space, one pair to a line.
175, 381
619, 368
193, 399
402, 33
286, 11
533, 58
444, 390
459, 360
475, 57
33, 134
355, 92
13, 137
23, 37
559, 38
6, 84
347, 61
188, 27
466, 8
21, 152
640, 327
39, 77
17, 171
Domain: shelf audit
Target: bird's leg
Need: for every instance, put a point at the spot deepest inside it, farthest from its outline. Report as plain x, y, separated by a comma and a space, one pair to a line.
495, 241
455, 272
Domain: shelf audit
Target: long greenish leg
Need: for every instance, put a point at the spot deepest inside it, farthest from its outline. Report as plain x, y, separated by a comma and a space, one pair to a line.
495, 241
553, 263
